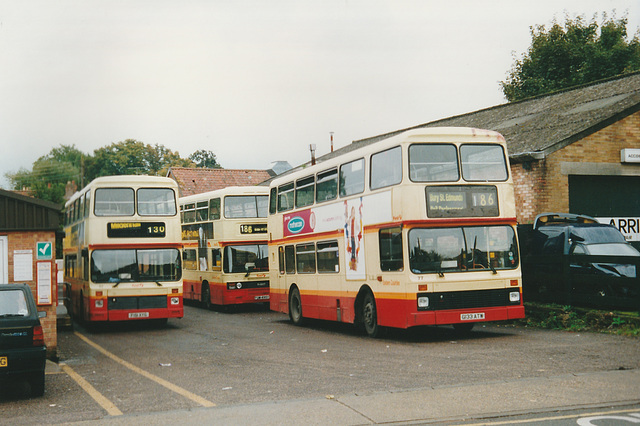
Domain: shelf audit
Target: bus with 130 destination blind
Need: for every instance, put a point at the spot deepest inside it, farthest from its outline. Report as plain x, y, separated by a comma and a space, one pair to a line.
122, 250
415, 229
225, 246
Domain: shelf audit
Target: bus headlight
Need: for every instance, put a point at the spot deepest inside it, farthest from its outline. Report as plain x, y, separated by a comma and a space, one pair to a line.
99, 303
423, 302
514, 296
175, 300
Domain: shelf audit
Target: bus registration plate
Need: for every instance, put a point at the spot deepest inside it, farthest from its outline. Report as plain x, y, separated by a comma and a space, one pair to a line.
138, 314
469, 317
265, 297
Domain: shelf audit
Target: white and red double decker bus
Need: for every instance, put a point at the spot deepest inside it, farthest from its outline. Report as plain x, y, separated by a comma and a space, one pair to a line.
122, 250
225, 246
415, 229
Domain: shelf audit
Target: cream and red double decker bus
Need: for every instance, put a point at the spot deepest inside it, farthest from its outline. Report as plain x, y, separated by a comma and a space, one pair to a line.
225, 246
122, 250
415, 229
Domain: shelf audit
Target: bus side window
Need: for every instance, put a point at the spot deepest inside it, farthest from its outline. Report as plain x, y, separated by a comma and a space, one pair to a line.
327, 185
290, 259
87, 204
386, 168
328, 257
390, 241
304, 191
273, 200
306, 258
281, 259
215, 259
189, 259
85, 264
214, 209
202, 211
352, 178
285, 197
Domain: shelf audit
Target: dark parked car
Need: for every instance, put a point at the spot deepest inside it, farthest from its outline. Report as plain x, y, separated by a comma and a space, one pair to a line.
559, 238
22, 349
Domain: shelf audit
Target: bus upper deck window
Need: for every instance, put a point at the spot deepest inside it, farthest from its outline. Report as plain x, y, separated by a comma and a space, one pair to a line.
327, 185
433, 163
386, 168
352, 178
156, 202
202, 211
114, 202
263, 205
285, 197
240, 206
483, 163
305, 191
214, 209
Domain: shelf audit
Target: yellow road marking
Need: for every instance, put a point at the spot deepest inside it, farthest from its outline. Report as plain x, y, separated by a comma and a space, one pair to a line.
158, 380
93, 393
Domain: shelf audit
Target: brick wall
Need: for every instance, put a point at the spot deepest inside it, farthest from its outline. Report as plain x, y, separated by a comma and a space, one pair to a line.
540, 186
28, 241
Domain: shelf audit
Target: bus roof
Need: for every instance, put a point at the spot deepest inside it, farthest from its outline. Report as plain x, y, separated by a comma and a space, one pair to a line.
123, 180
359, 149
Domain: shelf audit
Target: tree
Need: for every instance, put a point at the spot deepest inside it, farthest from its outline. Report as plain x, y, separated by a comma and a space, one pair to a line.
132, 157
50, 174
205, 159
570, 55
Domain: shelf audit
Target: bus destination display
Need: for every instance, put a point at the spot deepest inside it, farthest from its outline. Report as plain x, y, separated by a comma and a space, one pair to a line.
462, 201
253, 229
136, 229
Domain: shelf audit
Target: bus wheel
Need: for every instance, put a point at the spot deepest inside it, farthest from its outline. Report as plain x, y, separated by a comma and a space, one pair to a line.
80, 316
295, 306
206, 296
370, 315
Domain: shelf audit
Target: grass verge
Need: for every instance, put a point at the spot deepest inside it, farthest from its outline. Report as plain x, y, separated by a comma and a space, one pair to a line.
571, 318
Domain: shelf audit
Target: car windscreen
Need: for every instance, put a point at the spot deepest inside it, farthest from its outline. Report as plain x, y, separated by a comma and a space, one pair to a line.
598, 234
611, 249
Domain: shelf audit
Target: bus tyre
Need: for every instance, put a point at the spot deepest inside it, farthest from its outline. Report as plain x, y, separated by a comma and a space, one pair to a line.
80, 316
295, 306
206, 296
370, 315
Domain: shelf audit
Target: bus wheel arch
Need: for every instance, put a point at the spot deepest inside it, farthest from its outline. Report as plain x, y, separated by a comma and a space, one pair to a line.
367, 312
295, 305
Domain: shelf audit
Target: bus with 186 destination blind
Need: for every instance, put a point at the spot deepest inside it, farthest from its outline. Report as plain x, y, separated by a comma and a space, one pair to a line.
225, 246
415, 229
122, 250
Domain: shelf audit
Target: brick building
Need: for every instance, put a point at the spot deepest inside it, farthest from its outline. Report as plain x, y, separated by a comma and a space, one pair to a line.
575, 151
28, 230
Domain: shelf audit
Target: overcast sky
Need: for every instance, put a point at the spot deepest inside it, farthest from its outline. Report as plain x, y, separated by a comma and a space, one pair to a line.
253, 81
